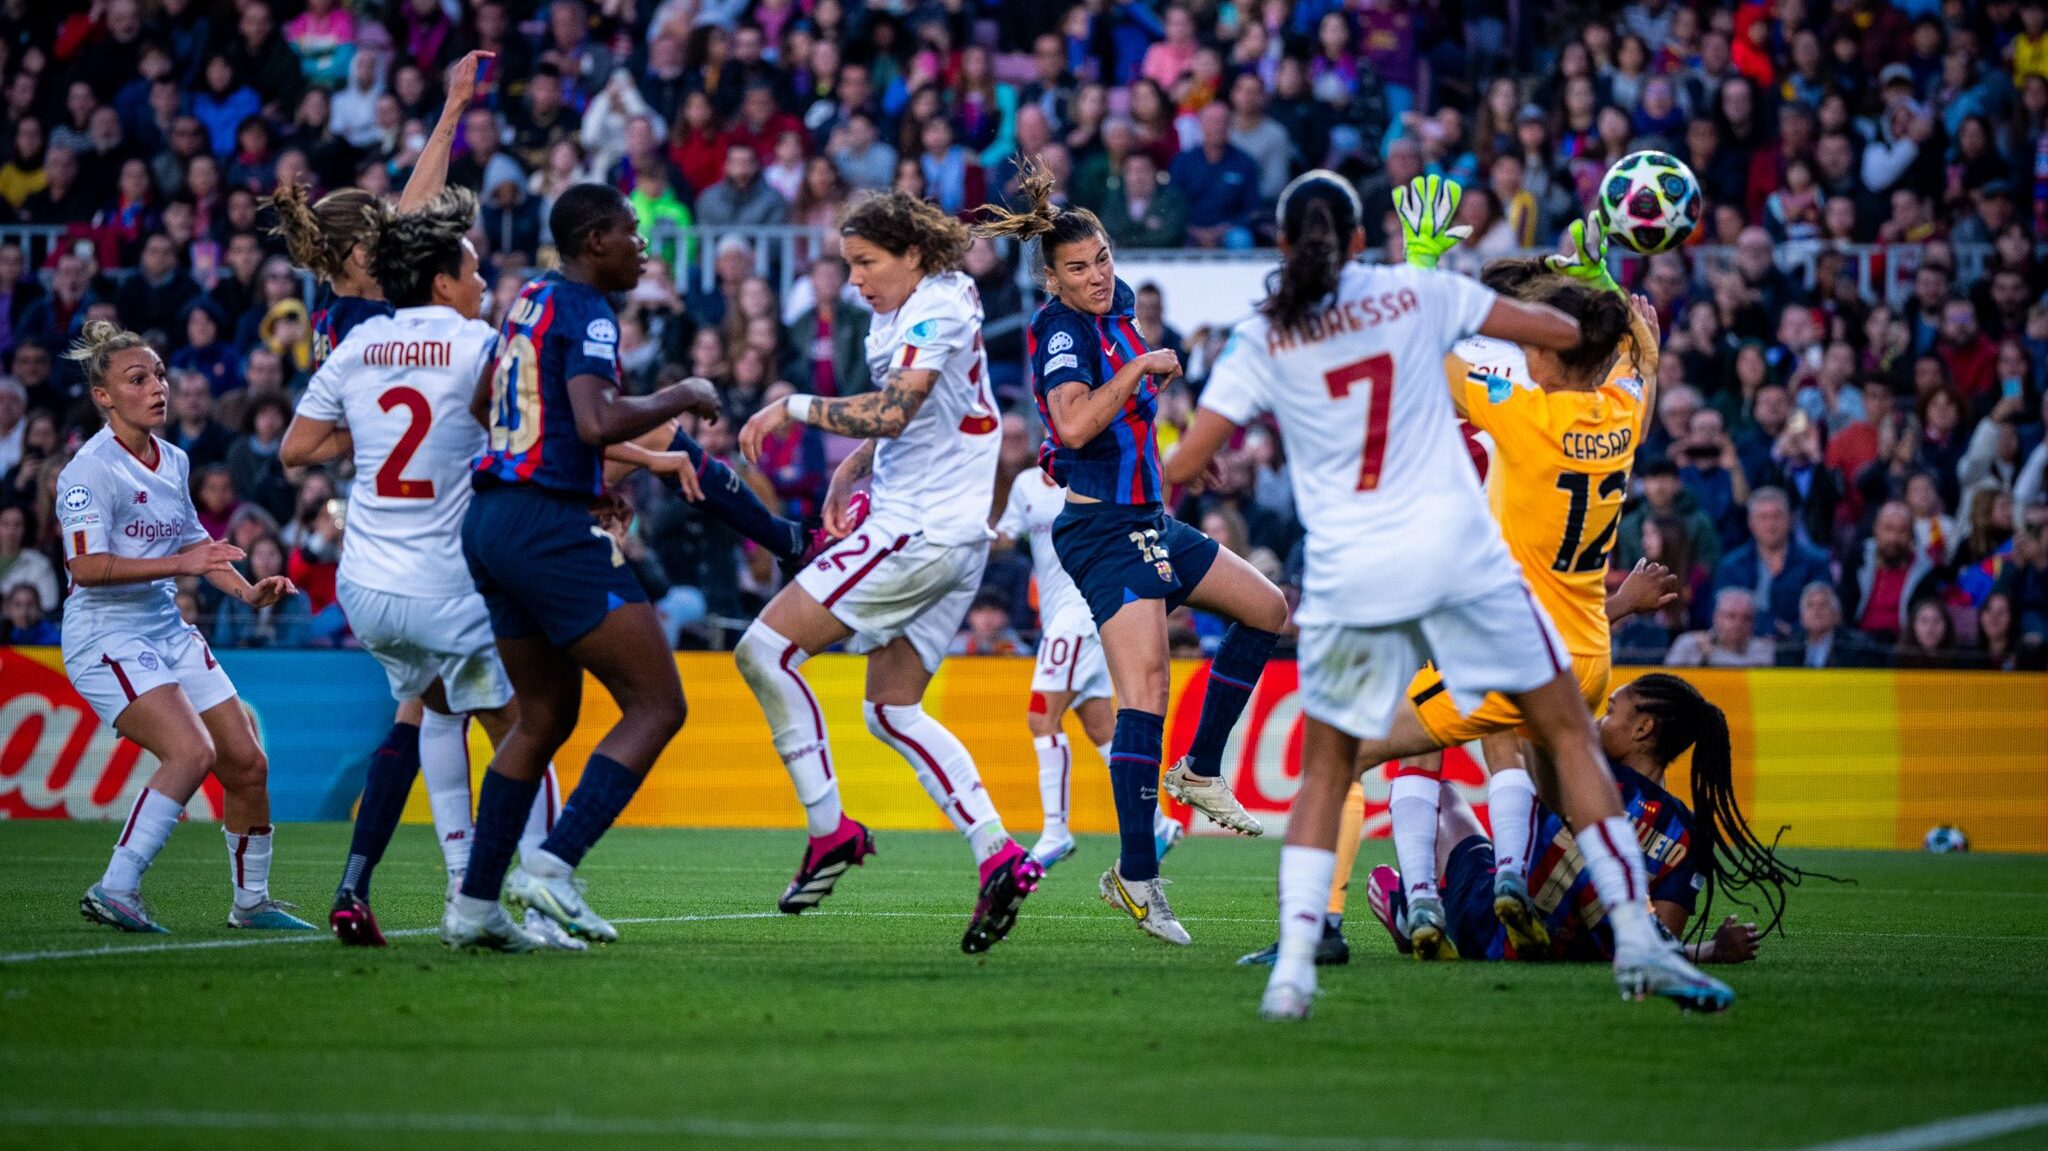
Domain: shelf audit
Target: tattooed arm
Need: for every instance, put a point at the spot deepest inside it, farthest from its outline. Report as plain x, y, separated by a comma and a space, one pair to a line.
881, 414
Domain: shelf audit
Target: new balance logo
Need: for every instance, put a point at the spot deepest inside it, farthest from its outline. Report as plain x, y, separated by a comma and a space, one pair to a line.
141, 497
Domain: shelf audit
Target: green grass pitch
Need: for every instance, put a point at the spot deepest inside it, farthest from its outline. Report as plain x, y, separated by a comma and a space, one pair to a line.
1915, 996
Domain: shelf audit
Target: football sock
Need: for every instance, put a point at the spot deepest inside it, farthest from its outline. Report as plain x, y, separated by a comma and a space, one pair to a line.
1104, 750
249, 860
1511, 809
1134, 783
1055, 769
1350, 832
771, 666
1305, 874
1232, 676
444, 764
501, 806
1413, 809
1614, 861
604, 791
945, 768
540, 818
149, 827
729, 500
392, 768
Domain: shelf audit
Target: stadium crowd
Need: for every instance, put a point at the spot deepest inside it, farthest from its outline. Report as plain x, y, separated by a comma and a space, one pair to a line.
1838, 479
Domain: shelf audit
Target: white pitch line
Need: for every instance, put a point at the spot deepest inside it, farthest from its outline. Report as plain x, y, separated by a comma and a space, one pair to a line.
1961, 1131
276, 939
951, 1135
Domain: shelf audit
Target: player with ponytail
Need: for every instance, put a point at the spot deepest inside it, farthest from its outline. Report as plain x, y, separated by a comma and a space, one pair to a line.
130, 532
1097, 386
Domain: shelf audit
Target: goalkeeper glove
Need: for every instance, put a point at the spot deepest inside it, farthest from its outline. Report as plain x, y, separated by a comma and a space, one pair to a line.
1587, 260
1426, 207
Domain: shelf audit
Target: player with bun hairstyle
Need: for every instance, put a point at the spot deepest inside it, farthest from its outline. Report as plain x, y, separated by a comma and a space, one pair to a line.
899, 583
130, 531
1354, 378
1098, 392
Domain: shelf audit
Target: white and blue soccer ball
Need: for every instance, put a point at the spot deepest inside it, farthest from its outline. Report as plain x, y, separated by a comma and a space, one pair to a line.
1650, 202
1946, 840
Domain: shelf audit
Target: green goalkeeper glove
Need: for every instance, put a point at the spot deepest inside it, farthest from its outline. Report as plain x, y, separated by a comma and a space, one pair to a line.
1426, 207
1587, 260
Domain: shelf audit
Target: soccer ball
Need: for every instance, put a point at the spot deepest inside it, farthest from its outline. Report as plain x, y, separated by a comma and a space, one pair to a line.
1946, 839
1650, 201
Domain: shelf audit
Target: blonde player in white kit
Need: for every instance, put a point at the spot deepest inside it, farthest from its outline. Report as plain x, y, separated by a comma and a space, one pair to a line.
1071, 671
395, 394
898, 585
1404, 561
130, 531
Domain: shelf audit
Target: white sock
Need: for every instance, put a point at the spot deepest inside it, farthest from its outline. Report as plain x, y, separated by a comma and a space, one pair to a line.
1614, 862
249, 865
1511, 807
470, 908
769, 663
540, 818
1305, 875
1413, 810
149, 827
1103, 750
944, 768
546, 865
1055, 771
444, 765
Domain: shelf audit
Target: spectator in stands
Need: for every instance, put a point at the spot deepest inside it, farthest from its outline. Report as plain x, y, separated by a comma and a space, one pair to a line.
1885, 576
21, 565
1774, 565
742, 198
192, 428
1822, 641
286, 623
1934, 530
987, 630
24, 175
863, 157
156, 294
1732, 641
1713, 474
1930, 641
1259, 136
1665, 494
39, 443
63, 199
253, 466
26, 621
1998, 641
1145, 212
204, 354
1220, 183
33, 367
828, 339
13, 426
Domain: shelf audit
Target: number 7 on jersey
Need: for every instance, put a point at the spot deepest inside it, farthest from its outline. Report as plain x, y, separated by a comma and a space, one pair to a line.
1377, 372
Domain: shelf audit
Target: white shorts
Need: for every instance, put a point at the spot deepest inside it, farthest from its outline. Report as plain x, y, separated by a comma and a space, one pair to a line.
113, 671
1072, 663
421, 640
1353, 678
885, 584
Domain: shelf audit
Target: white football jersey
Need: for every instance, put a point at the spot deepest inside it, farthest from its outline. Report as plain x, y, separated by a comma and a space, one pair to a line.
1397, 524
109, 502
402, 384
1035, 502
939, 476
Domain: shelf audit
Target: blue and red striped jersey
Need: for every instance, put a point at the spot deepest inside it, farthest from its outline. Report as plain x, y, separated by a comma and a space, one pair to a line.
1564, 892
337, 316
1121, 465
557, 330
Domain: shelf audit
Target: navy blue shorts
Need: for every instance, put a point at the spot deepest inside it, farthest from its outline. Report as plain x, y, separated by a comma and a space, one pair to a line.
543, 564
1118, 553
1468, 901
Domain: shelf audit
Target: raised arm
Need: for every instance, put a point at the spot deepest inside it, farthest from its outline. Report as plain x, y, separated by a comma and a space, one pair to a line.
1537, 324
430, 172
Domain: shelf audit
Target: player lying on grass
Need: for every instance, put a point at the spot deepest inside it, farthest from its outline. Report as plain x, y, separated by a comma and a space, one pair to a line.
899, 584
130, 531
1694, 852
1070, 673
1348, 359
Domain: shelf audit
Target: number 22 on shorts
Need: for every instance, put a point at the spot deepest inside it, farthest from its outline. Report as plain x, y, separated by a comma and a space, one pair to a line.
1151, 551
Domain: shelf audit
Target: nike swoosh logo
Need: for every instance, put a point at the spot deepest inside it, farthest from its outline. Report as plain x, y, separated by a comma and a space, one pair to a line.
1137, 913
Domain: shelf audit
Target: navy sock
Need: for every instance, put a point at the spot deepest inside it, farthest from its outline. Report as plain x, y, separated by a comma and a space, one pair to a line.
393, 767
731, 502
1239, 661
501, 806
1134, 782
604, 791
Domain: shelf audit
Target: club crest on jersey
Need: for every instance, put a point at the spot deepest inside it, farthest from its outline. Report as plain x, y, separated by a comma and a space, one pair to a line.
148, 660
1060, 342
923, 334
1499, 390
603, 331
75, 499
1631, 385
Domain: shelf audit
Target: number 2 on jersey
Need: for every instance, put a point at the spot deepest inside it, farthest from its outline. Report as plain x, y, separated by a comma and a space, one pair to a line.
1580, 487
1378, 374
391, 481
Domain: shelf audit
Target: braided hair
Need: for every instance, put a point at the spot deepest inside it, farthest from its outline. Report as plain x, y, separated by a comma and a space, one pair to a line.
1731, 858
